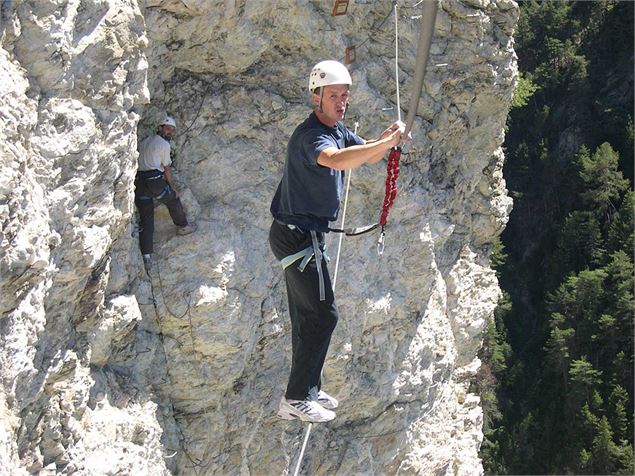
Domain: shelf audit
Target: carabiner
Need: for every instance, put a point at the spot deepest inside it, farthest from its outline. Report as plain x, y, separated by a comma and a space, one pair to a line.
380, 242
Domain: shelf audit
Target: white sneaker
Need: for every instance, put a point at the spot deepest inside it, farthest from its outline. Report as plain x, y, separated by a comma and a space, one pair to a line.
328, 402
305, 410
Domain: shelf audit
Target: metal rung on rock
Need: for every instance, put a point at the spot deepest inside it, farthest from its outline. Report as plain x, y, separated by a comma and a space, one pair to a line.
340, 8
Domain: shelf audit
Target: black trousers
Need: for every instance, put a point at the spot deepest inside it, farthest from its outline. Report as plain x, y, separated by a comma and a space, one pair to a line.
147, 189
312, 321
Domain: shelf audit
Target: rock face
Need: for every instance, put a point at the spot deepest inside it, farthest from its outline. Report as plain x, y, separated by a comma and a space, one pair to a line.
106, 371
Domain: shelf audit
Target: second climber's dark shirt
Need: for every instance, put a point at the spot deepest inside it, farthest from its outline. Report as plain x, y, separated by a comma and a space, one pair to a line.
309, 194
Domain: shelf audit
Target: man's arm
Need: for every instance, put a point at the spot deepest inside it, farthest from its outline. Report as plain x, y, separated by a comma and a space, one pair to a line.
167, 170
369, 153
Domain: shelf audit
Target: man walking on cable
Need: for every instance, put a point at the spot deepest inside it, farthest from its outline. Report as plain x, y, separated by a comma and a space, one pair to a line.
307, 199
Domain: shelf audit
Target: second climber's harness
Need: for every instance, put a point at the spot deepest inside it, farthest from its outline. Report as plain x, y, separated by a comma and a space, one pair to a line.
149, 175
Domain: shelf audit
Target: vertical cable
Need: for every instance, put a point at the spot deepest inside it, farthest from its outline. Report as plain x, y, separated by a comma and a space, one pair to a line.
392, 168
306, 440
397, 59
348, 185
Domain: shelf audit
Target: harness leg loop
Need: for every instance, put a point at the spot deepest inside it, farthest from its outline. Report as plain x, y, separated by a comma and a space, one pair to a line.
318, 263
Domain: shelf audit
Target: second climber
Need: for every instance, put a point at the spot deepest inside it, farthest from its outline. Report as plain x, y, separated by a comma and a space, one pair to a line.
154, 182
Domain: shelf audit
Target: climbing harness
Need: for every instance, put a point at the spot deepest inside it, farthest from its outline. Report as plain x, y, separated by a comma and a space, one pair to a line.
150, 175
306, 254
428, 17
314, 250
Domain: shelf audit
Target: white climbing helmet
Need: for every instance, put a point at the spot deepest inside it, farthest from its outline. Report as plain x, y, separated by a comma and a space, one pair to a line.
168, 121
328, 72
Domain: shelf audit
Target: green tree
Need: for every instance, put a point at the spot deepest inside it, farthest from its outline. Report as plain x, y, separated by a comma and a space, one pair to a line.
606, 456
525, 89
618, 400
620, 234
564, 66
604, 183
580, 244
557, 353
584, 380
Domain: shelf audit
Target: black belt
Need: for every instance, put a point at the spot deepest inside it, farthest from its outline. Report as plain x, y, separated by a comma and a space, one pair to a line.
290, 227
150, 174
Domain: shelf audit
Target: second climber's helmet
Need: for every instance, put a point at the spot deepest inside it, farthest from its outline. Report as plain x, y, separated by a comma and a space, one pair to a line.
168, 121
328, 72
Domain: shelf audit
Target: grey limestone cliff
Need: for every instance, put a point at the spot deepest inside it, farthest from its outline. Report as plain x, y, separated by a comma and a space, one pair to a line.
104, 371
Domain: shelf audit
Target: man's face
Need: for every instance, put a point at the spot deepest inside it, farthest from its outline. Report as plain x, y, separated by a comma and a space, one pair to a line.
166, 131
334, 101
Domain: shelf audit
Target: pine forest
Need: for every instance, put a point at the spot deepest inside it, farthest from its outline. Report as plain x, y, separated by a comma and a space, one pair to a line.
557, 375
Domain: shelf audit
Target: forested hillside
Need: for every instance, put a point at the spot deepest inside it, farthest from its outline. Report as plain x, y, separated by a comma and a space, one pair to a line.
557, 381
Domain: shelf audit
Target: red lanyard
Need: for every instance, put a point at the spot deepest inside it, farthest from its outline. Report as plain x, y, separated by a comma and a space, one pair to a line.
392, 173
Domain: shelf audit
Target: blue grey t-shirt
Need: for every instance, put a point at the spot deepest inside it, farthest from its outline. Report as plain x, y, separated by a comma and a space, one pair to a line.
309, 194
